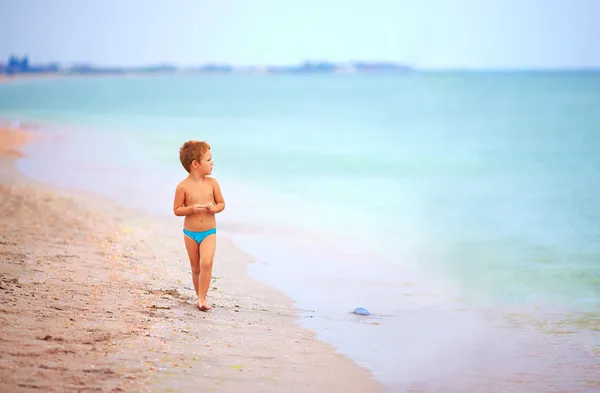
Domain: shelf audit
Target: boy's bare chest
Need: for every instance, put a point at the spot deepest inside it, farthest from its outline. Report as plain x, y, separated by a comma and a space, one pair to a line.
200, 193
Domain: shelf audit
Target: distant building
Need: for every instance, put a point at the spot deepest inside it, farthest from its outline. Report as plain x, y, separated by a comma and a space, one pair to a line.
16, 66
21, 66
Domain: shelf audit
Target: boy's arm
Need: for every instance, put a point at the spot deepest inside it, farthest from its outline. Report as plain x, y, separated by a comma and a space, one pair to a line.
178, 207
219, 201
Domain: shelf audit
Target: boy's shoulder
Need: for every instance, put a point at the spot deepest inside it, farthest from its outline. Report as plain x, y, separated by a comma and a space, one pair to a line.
183, 183
212, 180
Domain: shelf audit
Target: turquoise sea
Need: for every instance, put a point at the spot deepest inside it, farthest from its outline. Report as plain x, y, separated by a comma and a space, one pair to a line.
398, 193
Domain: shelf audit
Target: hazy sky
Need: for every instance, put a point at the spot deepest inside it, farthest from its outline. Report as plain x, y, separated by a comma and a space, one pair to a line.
424, 33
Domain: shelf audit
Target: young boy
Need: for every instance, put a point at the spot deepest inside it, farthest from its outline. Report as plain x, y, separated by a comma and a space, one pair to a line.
198, 198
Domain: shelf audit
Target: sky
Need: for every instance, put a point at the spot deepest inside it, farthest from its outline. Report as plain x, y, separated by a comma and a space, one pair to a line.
422, 33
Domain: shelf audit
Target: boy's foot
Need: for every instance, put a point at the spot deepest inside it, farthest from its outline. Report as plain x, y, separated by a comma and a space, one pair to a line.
203, 306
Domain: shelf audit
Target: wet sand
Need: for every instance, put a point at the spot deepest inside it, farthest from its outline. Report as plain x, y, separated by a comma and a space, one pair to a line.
95, 297
12, 138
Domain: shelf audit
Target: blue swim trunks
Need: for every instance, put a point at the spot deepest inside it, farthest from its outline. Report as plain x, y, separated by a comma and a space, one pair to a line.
199, 236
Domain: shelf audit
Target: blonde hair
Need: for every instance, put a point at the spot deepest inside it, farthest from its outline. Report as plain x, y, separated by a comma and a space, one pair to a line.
192, 150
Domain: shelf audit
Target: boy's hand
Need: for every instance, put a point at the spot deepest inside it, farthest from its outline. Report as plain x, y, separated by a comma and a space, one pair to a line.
197, 208
210, 207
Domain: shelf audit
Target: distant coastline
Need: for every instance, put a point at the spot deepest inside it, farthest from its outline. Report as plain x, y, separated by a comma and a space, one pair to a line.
22, 67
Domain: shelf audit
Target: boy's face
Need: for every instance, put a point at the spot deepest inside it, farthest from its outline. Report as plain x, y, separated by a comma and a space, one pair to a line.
205, 165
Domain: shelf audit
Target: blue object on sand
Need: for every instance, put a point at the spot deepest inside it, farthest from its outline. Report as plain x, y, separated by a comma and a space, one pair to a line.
361, 311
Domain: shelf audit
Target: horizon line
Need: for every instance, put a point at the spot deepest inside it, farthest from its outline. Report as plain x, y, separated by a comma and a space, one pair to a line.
405, 65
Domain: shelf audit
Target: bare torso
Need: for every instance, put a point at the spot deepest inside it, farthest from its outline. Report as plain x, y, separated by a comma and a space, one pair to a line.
199, 192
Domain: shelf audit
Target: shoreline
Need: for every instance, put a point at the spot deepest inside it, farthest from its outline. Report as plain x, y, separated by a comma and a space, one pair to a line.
13, 138
138, 329
416, 324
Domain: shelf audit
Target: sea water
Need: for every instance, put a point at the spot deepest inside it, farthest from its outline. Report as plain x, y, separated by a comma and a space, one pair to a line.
389, 192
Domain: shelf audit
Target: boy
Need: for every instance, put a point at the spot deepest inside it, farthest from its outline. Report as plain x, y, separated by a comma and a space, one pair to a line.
198, 198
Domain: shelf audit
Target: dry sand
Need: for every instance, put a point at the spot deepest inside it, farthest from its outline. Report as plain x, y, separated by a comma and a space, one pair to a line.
94, 297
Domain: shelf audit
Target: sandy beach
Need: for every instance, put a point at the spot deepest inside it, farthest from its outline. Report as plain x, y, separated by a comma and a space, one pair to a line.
88, 303
97, 297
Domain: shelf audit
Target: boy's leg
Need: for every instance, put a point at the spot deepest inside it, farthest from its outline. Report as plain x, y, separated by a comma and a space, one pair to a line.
207, 254
194, 253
